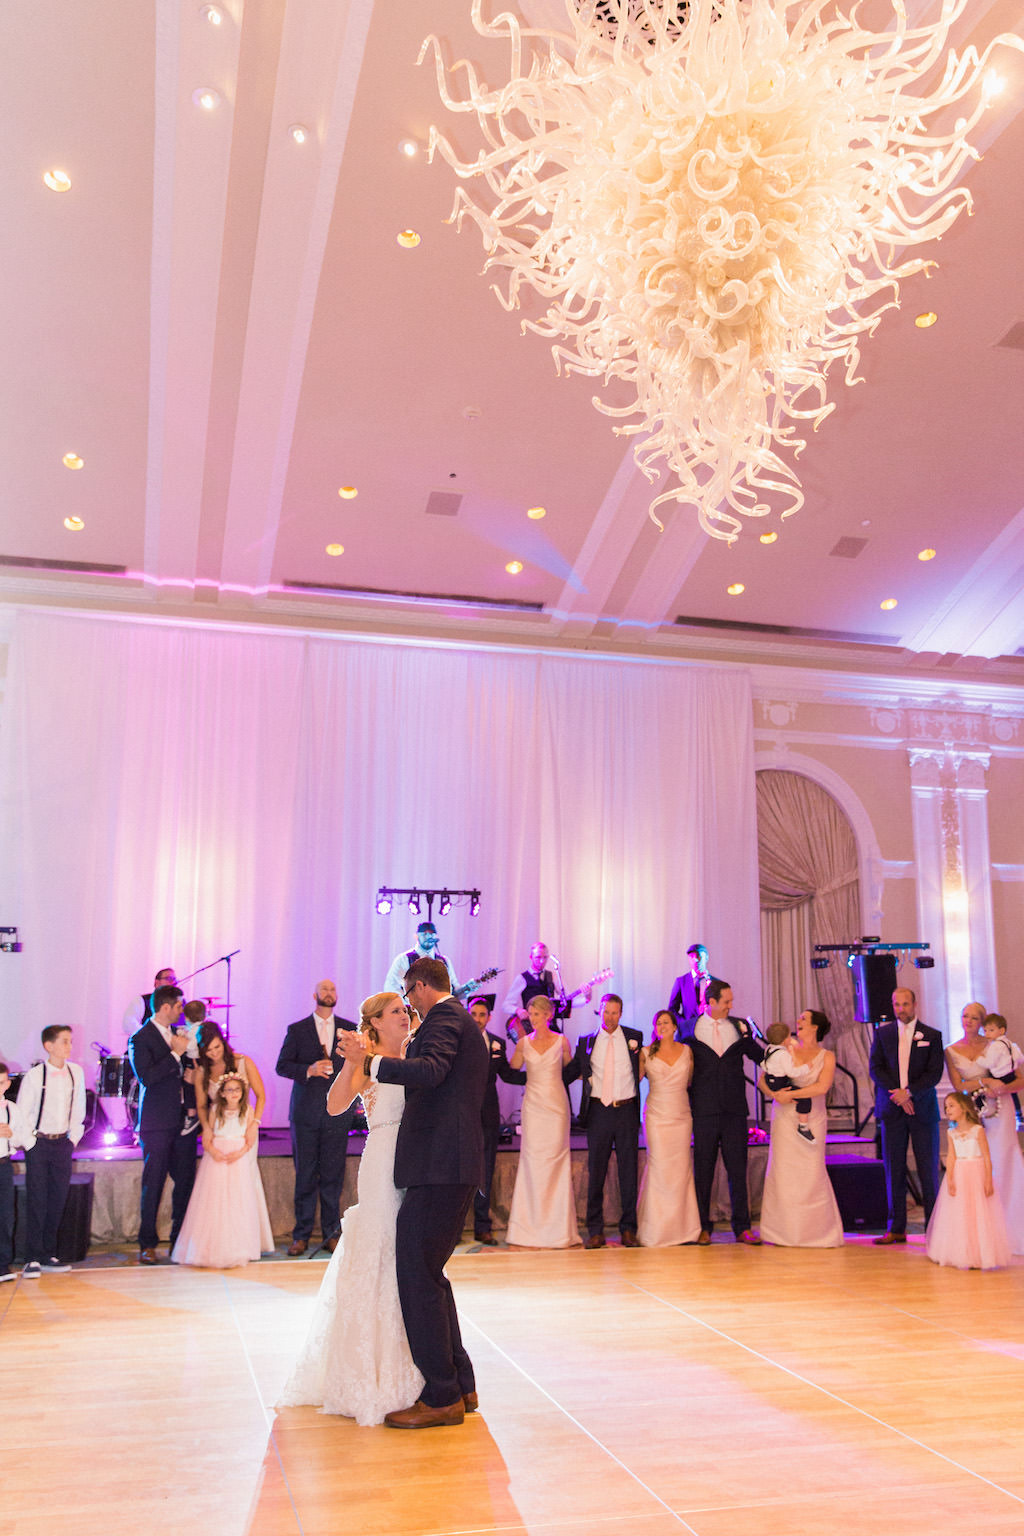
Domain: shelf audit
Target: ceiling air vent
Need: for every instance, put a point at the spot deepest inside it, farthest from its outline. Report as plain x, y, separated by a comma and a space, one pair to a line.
447, 599
795, 631
443, 504
88, 567
848, 549
1014, 338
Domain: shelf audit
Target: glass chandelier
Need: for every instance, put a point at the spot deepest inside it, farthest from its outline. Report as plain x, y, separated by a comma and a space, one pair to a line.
716, 201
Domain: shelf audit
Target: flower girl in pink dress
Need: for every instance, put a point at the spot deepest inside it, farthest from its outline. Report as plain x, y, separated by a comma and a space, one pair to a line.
226, 1223
967, 1229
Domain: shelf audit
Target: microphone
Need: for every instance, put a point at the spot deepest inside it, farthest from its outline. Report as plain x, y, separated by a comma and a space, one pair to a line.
104, 1050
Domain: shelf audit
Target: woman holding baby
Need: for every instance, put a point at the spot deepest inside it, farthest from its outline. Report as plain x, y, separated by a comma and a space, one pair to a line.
799, 1209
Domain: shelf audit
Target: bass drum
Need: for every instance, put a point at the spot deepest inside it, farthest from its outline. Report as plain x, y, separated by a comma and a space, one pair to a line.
114, 1077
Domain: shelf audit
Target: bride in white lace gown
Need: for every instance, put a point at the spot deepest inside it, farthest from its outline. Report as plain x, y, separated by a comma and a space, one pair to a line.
356, 1359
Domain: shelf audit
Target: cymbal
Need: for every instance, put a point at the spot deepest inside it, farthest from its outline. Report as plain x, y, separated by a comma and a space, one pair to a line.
216, 1002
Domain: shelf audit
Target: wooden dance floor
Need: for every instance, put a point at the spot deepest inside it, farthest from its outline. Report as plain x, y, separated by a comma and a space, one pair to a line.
724, 1391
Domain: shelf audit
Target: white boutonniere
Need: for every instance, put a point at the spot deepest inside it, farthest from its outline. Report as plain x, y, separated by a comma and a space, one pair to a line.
633, 1045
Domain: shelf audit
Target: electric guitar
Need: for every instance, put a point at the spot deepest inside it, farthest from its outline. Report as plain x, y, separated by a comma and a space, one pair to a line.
469, 987
561, 1003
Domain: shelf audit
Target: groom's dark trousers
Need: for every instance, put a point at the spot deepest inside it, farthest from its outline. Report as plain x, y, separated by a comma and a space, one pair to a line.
439, 1163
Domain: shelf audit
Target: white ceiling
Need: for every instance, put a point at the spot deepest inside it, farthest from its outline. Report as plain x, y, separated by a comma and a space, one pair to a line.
221, 323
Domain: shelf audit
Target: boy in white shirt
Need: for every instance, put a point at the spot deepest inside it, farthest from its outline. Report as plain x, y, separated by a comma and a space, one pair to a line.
8, 1142
51, 1120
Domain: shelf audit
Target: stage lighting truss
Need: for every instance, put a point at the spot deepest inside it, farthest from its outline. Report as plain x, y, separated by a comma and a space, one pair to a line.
872, 945
10, 944
414, 895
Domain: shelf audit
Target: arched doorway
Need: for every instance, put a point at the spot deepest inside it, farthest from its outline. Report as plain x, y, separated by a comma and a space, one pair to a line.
810, 894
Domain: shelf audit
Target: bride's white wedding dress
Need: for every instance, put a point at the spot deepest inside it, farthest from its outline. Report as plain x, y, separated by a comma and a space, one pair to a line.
356, 1360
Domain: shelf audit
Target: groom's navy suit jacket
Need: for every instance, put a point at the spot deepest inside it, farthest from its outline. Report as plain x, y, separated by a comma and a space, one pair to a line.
444, 1073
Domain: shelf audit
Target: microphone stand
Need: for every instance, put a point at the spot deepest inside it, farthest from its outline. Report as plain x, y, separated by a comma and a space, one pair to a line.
221, 960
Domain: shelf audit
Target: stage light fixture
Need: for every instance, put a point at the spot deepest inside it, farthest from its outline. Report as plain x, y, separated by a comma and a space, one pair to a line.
446, 905
925, 963
474, 904
383, 904
414, 904
820, 963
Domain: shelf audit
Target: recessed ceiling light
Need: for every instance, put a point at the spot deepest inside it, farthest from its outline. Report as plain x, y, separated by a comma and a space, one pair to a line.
768, 538
924, 321
347, 492
736, 588
409, 239
57, 181
536, 513
211, 14
72, 461
299, 133
514, 567
890, 602
74, 524
206, 97
926, 554
335, 549
409, 148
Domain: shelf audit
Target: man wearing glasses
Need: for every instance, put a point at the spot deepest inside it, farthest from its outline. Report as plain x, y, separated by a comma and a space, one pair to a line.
439, 1164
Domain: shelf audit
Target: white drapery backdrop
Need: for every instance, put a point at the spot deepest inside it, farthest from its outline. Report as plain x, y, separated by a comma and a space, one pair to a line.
172, 792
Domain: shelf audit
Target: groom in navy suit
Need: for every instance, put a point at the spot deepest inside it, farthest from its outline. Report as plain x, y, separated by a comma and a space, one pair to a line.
438, 1162
906, 1064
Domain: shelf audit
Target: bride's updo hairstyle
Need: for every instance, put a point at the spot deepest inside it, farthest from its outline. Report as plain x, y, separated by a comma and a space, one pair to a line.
371, 1008
821, 1023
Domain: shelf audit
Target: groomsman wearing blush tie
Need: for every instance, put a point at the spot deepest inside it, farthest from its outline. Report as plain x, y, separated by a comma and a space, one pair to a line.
310, 1056
609, 1065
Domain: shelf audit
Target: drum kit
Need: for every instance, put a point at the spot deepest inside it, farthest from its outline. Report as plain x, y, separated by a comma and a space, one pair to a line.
116, 1080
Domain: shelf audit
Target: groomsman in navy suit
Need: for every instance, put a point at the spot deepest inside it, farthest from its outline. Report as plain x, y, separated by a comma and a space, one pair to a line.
906, 1064
718, 1099
609, 1065
157, 1054
688, 994
498, 1065
311, 1056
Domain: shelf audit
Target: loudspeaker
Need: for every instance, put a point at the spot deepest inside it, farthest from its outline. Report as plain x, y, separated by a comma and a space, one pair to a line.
859, 1187
874, 982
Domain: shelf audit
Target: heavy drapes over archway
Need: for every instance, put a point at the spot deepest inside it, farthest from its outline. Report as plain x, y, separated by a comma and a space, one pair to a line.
810, 894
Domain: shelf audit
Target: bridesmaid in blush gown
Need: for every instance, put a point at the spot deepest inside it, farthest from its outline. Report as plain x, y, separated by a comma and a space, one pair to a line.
668, 1212
799, 1209
543, 1211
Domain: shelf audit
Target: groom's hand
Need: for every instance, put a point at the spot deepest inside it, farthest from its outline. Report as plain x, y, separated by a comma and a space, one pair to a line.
352, 1045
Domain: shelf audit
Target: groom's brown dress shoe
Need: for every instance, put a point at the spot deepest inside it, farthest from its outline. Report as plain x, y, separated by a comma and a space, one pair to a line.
298, 1246
704, 1241
630, 1240
148, 1256
470, 1401
595, 1240
421, 1416
888, 1238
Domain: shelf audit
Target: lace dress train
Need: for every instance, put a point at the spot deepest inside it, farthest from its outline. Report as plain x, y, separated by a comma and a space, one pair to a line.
356, 1359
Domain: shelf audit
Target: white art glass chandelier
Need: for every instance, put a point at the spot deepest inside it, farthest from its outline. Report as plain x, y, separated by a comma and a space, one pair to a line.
716, 201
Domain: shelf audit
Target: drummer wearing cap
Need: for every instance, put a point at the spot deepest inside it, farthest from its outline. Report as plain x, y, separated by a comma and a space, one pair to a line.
426, 948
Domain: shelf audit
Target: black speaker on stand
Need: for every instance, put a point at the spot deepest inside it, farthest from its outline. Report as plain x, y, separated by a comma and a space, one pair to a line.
874, 982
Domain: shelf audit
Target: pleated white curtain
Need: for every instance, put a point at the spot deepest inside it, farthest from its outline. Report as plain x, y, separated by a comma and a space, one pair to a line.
171, 793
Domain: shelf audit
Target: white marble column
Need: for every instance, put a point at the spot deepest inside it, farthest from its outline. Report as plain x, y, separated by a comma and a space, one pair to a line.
970, 769
928, 803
